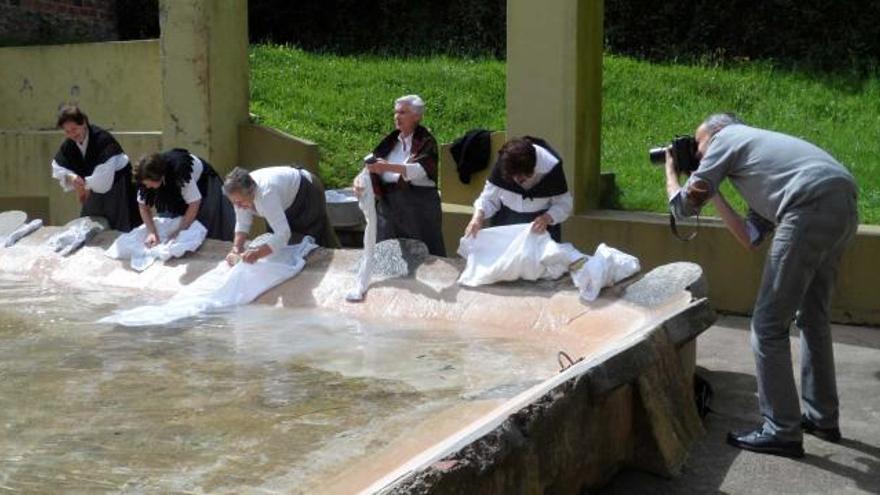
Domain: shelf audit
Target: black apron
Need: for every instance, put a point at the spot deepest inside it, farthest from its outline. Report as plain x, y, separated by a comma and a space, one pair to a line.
307, 215
412, 213
507, 216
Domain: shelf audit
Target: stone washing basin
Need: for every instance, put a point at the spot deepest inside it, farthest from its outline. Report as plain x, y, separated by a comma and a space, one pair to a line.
624, 398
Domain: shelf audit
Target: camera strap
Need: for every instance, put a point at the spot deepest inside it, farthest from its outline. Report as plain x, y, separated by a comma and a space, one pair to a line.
675, 232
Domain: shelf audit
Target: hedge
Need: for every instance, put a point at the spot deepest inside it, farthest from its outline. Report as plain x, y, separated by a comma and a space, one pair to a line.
821, 34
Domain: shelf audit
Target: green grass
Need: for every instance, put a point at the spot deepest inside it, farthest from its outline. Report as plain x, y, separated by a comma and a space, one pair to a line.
345, 105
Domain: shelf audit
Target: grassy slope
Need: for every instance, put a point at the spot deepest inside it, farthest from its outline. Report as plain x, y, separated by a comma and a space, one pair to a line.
344, 104
646, 104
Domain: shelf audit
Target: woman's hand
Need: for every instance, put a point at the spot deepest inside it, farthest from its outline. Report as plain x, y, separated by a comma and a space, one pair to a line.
151, 240
474, 226
540, 224
232, 258
379, 166
79, 185
251, 256
254, 254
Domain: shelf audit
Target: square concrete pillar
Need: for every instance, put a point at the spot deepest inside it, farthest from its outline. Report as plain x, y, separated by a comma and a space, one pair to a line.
554, 84
204, 53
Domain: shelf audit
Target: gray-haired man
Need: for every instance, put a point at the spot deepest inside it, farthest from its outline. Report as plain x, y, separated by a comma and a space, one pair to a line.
810, 200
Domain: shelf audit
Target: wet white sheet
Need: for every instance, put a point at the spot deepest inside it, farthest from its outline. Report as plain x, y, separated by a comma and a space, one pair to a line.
131, 244
222, 287
514, 252
20, 232
367, 204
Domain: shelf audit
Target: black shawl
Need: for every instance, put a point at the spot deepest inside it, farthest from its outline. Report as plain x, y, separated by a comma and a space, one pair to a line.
167, 198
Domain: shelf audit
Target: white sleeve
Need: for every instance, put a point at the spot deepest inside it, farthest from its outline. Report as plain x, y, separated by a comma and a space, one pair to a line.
62, 175
101, 179
414, 171
190, 192
489, 201
243, 220
560, 207
275, 217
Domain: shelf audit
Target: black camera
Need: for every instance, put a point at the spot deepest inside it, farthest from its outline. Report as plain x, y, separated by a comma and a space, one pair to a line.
683, 150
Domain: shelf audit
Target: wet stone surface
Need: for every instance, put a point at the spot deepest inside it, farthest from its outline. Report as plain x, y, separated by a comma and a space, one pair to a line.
11, 220
658, 285
258, 400
396, 258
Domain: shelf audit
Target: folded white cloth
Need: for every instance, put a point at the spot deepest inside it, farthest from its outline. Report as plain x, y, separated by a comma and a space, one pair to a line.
75, 234
605, 268
339, 196
222, 287
22, 231
131, 245
513, 252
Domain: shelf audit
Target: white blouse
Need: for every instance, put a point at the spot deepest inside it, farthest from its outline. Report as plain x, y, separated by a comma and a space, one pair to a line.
400, 154
275, 192
559, 207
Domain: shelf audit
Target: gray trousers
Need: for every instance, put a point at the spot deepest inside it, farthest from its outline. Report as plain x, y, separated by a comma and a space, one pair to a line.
797, 284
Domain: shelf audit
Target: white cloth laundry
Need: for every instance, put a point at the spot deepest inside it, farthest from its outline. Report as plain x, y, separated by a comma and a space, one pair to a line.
513, 252
131, 245
367, 204
75, 234
605, 268
222, 287
335, 196
20, 232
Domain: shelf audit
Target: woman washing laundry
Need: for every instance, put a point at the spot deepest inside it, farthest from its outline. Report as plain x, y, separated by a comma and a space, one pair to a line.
527, 184
178, 183
290, 199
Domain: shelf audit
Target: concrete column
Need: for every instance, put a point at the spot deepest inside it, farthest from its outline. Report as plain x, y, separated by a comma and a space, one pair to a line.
204, 51
554, 84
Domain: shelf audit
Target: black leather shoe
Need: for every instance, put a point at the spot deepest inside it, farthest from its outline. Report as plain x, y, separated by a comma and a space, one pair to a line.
758, 441
828, 434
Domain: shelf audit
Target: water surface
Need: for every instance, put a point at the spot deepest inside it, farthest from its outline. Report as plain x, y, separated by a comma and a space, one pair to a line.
255, 400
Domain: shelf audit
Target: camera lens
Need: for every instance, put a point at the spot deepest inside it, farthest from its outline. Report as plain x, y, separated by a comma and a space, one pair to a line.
657, 155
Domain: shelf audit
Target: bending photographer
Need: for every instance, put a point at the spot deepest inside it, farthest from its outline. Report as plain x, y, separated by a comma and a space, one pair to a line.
809, 199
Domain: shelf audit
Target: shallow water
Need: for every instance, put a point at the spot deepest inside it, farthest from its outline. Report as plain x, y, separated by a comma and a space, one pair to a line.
256, 400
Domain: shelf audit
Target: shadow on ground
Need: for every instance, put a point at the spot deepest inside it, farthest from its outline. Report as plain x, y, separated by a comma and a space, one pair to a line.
852, 466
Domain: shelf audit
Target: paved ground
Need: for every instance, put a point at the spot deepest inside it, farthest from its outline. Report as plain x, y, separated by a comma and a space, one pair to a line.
725, 358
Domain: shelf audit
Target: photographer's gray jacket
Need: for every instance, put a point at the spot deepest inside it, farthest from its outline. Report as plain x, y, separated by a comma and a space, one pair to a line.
772, 171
